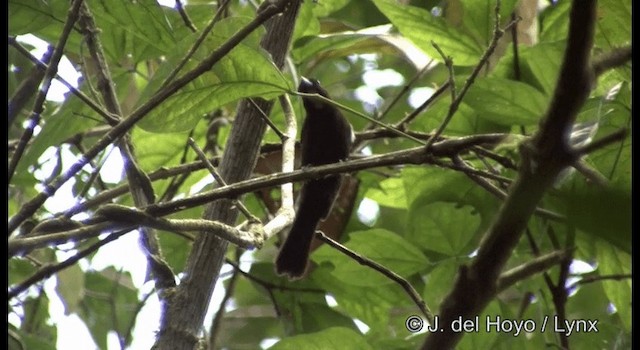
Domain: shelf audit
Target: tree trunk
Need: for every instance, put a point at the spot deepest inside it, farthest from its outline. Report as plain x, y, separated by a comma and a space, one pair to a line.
184, 311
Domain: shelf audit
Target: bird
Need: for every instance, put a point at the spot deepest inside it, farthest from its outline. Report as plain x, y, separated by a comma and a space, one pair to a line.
326, 138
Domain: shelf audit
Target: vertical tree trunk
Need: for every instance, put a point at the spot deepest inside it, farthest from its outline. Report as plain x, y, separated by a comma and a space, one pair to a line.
184, 312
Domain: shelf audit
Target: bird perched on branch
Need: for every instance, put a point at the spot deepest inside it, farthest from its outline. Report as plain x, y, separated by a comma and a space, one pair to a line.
326, 138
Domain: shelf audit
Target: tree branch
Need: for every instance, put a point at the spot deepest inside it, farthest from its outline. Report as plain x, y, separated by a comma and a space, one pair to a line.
362, 260
122, 127
543, 158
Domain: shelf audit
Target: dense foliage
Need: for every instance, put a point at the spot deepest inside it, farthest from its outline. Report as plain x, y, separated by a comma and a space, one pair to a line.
376, 57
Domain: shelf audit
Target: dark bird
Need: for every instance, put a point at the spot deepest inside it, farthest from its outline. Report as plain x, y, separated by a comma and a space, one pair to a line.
326, 138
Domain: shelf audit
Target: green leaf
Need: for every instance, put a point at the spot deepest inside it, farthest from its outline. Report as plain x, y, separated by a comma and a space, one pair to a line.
506, 102
331, 338
143, 21
381, 246
109, 304
555, 22
326, 7
375, 307
542, 65
19, 270
614, 24
306, 22
70, 287
246, 71
317, 317
36, 331
245, 327
478, 18
604, 213
443, 227
612, 261
61, 124
32, 16
158, 150
390, 193
421, 27
447, 211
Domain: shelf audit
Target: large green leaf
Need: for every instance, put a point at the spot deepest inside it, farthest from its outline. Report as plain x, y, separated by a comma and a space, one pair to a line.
605, 213
133, 26
614, 261
444, 227
71, 118
478, 17
421, 27
614, 24
247, 71
381, 246
375, 306
70, 287
32, 16
506, 102
109, 303
390, 193
447, 211
555, 22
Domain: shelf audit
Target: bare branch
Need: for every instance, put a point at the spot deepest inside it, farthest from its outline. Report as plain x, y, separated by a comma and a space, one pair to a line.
185, 16
219, 179
362, 260
617, 57
50, 270
537, 265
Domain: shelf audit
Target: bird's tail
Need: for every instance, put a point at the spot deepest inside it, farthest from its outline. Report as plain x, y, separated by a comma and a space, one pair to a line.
294, 254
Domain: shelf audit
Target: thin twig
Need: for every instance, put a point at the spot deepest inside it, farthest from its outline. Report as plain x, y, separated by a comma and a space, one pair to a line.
28, 86
361, 115
185, 16
615, 58
614, 137
448, 62
268, 285
516, 54
50, 73
383, 270
216, 175
196, 44
537, 265
409, 118
49, 270
592, 279
497, 34
267, 120
591, 174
